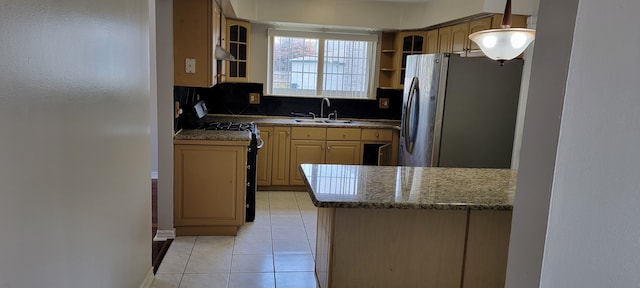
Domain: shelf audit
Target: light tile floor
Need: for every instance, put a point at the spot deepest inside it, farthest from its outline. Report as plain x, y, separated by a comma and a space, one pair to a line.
276, 250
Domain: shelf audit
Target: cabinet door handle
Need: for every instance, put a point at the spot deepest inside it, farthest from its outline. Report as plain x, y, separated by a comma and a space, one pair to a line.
377, 135
328, 147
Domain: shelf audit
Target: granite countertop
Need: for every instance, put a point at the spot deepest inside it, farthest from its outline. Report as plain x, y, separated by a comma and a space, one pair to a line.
352, 186
212, 135
199, 134
289, 121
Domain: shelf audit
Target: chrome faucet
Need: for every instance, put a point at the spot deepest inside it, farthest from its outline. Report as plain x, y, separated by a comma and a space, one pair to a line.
322, 106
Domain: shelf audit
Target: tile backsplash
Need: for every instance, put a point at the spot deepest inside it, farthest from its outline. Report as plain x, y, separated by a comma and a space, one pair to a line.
233, 98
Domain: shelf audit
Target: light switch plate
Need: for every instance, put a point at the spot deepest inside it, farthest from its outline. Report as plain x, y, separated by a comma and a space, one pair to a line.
383, 103
254, 98
190, 65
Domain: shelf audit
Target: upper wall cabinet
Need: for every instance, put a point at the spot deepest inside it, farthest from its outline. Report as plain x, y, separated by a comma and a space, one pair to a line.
194, 36
410, 42
447, 39
432, 41
387, 78
475, 26
238, 36
444, 39
460, 42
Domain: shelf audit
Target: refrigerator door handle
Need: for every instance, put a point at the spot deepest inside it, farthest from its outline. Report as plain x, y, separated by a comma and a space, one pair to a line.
408, 140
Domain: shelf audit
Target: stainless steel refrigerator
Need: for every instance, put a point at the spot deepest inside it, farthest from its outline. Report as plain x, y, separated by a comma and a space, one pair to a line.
459, 111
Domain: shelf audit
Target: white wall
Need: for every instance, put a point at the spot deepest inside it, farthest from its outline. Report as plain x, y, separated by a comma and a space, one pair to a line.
164, 50
549, 67
75, 148
524, 91
153, 86
590, 194
258, 50
593, 239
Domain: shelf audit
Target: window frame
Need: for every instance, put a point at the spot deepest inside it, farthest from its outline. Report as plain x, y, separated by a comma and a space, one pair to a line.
322, 36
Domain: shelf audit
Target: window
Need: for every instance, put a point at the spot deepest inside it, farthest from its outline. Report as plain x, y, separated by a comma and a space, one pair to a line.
321, 64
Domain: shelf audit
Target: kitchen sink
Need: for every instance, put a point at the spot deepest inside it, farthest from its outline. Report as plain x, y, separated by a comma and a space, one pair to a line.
309, 120
337, 121
327, 121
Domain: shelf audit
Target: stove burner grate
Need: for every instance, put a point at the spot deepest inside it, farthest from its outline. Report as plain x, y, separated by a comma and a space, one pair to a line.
232, 126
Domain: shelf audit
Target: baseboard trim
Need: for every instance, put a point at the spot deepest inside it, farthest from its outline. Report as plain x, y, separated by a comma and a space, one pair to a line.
148, 280
163, 235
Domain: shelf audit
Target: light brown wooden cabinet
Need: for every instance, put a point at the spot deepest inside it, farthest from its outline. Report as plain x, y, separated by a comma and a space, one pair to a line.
444, 40
343, 152
321, 152
265, 157
238, 41
305, 151
432, 41
459, 38
194, 35
475, 26
281, 153
313, 145
293, 146
209, 199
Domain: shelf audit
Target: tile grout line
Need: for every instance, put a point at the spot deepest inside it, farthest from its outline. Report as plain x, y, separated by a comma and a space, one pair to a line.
187, 264
273, 256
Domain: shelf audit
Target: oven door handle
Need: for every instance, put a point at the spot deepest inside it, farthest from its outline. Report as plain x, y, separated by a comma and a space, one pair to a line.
260, 143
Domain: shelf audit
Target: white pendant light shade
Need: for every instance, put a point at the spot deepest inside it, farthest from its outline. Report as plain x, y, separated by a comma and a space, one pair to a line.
503, 44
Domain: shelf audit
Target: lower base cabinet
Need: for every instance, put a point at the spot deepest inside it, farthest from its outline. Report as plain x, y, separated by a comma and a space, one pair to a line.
304, 151
288, 147
209, 198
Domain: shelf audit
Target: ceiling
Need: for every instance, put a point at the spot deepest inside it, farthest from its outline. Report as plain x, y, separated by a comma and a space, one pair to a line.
396, 1
372, 15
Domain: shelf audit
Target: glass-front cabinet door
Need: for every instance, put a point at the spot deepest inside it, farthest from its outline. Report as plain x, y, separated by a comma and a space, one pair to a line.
238, 45
412, 42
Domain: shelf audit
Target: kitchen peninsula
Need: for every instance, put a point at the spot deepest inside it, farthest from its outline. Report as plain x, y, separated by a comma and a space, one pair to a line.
410, 226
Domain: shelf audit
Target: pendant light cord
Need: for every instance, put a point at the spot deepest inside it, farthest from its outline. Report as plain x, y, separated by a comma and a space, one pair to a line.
506, 17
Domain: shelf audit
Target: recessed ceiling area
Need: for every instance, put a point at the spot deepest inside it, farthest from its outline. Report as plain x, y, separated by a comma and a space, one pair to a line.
370, 14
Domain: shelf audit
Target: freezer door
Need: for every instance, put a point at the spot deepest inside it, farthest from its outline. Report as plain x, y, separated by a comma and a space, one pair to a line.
419, 106
479, 113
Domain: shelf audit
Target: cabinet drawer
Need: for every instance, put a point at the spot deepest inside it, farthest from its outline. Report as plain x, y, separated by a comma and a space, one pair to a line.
377, 134
343, 133
308, 133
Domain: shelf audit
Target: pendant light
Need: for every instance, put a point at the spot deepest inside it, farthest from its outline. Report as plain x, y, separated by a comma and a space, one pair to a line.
505, 43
